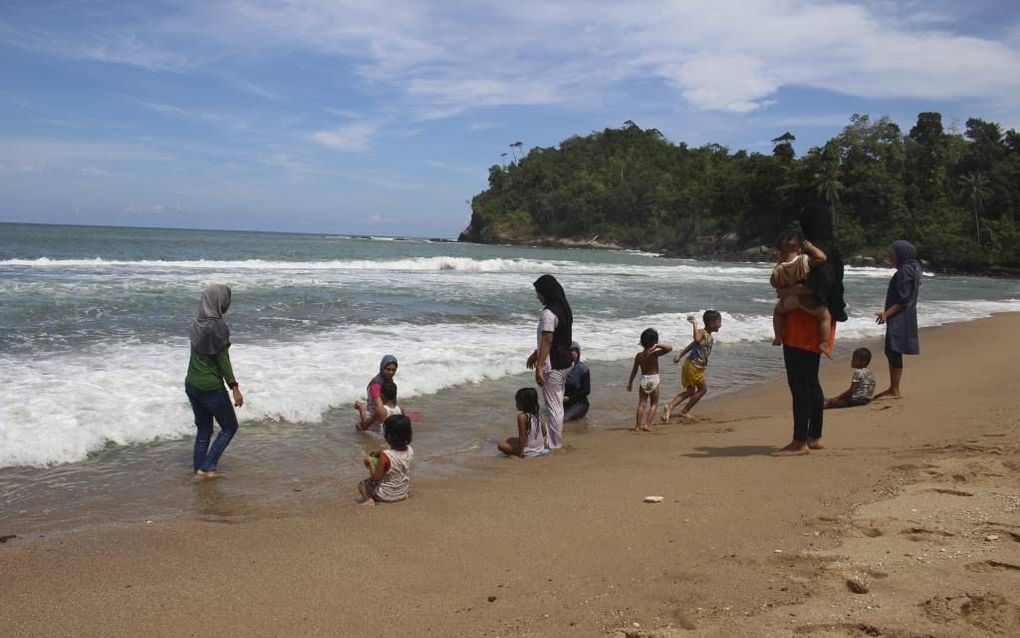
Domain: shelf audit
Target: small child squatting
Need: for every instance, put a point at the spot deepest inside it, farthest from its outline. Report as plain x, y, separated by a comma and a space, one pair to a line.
862, 384
389, 470
692, 373
796, 259
648, 387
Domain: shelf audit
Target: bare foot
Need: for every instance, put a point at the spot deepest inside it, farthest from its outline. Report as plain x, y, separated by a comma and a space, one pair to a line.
368, 502
778, 341
686, 418
794, 448
206, 474
815, 444
646, 428
665, 415
825, 349
888, 394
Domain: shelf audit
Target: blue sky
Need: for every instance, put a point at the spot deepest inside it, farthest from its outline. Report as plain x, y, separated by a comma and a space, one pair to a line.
383, 117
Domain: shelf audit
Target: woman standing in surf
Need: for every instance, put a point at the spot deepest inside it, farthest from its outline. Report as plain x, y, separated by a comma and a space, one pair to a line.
208, 369
552, 358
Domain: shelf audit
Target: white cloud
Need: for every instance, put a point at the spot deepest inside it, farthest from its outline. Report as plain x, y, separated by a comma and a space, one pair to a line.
349, 138
144, 209
445, 58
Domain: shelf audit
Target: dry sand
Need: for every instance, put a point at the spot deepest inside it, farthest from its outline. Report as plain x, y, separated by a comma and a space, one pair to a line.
915, 504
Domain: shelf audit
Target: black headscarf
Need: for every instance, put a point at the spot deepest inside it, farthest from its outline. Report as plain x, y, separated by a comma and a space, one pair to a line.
209, 332
556, 302
826, 281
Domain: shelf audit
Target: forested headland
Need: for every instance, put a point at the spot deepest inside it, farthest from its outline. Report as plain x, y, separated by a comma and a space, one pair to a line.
955, 194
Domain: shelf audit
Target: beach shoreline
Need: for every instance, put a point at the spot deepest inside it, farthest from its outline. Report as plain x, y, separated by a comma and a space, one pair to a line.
742, 543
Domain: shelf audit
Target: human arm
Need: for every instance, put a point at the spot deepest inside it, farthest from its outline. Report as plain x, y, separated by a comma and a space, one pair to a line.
227, 373
854, 385
543, 354
663, 348
633, 373
815, 255
522, 432
882, 317
585, 390
694, 324
846, 393
794, 291
381, 468
680, 355
902, 294
367, 422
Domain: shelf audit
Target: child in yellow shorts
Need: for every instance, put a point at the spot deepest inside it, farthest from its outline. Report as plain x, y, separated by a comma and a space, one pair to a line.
692, 374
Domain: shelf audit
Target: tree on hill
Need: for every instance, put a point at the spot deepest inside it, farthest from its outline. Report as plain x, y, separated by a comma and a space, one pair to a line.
632, 186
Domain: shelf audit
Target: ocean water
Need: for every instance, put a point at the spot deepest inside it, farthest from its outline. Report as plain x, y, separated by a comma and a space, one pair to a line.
93, 349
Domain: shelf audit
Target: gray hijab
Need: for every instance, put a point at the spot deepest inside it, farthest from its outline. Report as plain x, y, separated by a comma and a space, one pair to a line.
209, 333
386, 360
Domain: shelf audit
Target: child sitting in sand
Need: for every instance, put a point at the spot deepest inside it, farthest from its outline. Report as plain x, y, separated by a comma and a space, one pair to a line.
389, 470
796, 259
530, 439
692, 374
648, 387
373, 422
862, 384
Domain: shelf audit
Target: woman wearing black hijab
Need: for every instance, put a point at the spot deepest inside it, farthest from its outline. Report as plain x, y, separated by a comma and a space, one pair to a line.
801, 354
208, 369
552, 359
900, 314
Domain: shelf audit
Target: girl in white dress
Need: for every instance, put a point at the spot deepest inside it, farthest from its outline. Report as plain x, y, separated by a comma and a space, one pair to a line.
530, 440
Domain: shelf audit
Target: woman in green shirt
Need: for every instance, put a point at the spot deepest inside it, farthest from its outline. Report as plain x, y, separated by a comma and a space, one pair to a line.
208, 370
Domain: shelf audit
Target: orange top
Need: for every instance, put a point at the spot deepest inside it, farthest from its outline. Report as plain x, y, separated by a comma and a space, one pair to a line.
800, 330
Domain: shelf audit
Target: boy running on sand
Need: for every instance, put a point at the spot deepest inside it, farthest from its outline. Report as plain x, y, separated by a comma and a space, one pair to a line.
648, 388
692, 374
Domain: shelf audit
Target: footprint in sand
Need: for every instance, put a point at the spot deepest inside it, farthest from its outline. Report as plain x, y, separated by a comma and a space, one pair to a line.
988, 611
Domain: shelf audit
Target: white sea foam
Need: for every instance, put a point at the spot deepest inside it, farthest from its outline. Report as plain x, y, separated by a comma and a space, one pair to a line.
656, 268
60, 407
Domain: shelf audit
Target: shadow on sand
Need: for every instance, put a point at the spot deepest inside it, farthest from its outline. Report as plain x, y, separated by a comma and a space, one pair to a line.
731, 451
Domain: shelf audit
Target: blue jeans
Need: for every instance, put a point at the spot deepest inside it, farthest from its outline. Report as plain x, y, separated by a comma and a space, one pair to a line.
208, 405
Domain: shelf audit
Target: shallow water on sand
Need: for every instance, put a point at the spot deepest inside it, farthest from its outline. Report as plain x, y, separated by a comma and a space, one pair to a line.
95, 427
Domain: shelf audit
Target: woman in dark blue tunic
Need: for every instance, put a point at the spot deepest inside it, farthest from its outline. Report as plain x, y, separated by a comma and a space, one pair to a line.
577, 387
900, 314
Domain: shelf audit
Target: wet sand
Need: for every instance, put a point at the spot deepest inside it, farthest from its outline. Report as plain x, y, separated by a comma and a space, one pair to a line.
914, 503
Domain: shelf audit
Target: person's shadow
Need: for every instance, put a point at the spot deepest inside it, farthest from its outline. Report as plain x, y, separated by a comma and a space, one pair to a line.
704, 452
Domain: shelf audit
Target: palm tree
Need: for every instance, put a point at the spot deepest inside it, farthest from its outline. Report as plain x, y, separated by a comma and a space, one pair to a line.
517, 147
976, 192
829, 187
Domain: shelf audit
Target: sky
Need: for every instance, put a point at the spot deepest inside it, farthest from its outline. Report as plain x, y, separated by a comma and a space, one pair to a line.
382, 118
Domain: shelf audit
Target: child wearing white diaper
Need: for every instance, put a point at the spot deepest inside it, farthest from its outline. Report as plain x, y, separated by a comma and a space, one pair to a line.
647, 361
